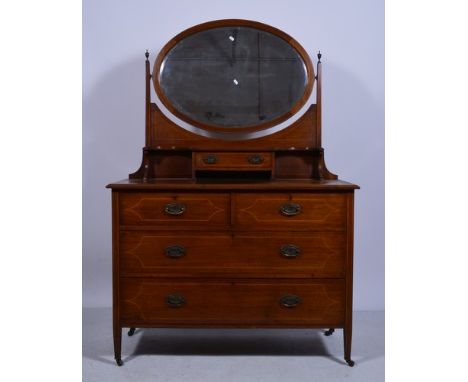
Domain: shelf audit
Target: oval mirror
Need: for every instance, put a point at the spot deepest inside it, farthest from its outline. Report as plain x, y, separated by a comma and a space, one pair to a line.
233, 74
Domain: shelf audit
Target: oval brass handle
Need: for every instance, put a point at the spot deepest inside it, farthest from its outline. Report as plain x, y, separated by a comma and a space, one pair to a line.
175, 251
290, 209
175, 208
175, 300
255, 159
210, 159
290, 251
290, 301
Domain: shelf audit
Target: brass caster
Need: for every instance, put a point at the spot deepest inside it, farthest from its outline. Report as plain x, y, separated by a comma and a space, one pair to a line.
329, 332
350, 362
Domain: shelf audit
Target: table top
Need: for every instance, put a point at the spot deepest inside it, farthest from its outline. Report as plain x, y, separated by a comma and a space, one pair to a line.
229, 184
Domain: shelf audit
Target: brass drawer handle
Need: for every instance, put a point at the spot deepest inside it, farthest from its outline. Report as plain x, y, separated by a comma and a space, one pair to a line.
290, 301
175, 251
210, 159
175, 300
290, 251
290, 209
255, 159
174, 209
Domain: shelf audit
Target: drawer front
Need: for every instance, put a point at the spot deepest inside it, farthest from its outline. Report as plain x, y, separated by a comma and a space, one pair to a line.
317, 254
175, 209
233, 161
295, 211
232, 303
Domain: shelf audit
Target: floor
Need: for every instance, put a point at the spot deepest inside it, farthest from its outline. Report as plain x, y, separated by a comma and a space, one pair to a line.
224, 355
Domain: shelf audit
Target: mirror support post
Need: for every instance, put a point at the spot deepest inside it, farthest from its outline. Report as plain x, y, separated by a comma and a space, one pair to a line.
148, 133
319, 168
319, 100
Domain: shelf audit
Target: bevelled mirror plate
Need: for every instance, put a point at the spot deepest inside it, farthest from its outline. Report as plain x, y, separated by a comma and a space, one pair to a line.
233, 77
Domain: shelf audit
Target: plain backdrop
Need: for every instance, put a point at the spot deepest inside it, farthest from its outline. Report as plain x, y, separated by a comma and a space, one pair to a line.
350, 35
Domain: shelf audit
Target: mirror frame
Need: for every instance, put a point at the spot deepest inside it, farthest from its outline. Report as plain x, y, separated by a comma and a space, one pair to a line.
234, 23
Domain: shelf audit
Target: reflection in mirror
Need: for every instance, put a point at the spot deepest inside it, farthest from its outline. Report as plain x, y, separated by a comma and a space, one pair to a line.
233, 76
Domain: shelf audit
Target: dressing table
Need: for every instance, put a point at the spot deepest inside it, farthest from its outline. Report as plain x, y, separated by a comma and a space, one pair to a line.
233, 219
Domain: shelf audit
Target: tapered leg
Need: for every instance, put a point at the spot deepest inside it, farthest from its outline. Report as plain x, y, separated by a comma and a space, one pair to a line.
117, 329
131, 332
348, 324
118, 345
329, 332
347, 335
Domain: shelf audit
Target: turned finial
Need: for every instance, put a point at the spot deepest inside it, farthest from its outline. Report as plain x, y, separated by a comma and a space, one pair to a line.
319, 55
147, 54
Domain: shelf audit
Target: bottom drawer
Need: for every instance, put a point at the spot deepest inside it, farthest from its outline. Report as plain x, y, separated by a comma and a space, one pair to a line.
231, 303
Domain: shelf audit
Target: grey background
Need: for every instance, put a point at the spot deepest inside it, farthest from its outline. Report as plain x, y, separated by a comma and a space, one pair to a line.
350, 35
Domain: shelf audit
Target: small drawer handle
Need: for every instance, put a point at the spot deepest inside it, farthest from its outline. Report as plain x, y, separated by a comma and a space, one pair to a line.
290, 301
210, 159
175, 251
255, 159
175, 300
174, 209
290, 251
290, 209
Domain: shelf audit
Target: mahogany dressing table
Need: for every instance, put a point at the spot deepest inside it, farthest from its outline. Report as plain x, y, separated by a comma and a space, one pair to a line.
233, 220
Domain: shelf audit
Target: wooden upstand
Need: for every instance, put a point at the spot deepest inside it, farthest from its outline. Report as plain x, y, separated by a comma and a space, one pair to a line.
226, 225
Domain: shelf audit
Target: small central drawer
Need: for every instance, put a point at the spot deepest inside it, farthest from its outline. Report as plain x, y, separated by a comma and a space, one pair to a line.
233, 161
237, 302
317, 254
174, 209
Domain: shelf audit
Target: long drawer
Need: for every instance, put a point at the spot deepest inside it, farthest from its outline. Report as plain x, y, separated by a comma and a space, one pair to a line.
290, 211
315, 254
175, 209
238, 302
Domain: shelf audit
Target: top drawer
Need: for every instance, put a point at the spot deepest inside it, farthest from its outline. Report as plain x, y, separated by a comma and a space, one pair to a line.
233, 161
174, 209
295, 211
